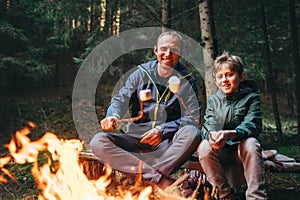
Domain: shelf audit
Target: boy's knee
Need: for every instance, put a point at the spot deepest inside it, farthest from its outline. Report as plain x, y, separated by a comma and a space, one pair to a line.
250, 145
203, 149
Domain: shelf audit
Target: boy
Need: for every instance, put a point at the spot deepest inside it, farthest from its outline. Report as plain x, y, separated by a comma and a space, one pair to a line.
233, 121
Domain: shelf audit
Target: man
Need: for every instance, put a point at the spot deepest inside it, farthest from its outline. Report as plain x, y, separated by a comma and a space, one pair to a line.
163, 135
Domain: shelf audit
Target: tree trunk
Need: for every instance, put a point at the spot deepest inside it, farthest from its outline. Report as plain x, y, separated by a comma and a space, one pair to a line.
270, 78
106, 17
296, 59
165, 5
116, 18
7, 5
206, 26
93, 19
57, 64
2, 8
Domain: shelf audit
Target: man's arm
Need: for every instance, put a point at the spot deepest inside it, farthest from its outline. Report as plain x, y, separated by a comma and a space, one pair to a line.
120, 103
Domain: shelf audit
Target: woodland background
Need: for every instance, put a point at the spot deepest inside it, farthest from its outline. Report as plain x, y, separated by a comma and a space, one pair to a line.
42, 44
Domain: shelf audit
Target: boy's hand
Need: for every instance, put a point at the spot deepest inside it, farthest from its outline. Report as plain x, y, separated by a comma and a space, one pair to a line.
213, 137
109, 123
220, 140
152, 137
217, 140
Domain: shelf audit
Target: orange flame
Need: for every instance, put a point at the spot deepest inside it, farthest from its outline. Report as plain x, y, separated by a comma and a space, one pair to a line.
61, 177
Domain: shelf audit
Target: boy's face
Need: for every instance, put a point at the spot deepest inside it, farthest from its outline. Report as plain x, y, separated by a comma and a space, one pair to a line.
167, 51
228, 80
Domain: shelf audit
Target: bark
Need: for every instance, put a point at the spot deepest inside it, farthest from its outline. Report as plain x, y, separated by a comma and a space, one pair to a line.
165, 5
296, 59
93, 16
207, 42
106, 17
270, 78
115, 17
3, 7
7, 5
57, 69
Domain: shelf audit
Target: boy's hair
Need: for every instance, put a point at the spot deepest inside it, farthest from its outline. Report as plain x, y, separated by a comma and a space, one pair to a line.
235, 63
172, 33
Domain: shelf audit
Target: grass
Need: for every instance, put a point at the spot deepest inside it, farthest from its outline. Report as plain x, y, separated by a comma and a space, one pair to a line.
23, 186
290, 151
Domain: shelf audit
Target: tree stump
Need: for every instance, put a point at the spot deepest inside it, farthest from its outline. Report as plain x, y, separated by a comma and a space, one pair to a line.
92, 167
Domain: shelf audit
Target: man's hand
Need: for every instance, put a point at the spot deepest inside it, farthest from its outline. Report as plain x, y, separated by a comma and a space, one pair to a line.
109, 123
152, 137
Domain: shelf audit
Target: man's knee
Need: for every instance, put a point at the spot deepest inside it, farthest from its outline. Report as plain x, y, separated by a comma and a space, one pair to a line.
190, 131
98, 142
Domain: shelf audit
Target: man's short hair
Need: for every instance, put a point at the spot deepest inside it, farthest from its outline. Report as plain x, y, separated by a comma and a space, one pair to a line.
172, 33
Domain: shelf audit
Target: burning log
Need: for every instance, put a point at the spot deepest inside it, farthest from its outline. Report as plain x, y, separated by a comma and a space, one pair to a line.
170, 193
92, 168
62, 176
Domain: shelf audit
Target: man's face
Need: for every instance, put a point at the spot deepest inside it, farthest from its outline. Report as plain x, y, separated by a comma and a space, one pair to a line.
228, 80
167, 51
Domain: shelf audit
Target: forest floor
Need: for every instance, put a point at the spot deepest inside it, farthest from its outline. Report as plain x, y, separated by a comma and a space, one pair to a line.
51, 110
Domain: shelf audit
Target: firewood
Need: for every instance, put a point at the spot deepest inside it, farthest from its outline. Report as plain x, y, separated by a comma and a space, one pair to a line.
173, 187
164, 195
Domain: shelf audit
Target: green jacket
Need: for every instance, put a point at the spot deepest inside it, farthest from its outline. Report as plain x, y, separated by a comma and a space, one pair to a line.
239, 111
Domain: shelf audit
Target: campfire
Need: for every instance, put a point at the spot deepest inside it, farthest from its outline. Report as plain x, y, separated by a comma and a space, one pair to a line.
61, 176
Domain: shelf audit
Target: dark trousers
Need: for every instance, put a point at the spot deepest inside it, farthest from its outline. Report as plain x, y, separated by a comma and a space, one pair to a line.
232, 165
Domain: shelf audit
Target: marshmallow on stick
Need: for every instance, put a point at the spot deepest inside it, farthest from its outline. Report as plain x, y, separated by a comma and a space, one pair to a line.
174, 84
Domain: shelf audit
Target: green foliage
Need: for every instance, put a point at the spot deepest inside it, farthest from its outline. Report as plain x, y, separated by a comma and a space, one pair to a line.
239, 31
10, 62
9, 30
16, 69
95, 38
292, 151
60, 15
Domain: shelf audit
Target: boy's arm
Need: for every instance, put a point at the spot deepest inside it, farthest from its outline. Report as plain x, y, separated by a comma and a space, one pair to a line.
212, 124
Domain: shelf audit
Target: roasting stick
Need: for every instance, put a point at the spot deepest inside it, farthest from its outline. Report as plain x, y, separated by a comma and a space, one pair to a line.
174, 84
145, 95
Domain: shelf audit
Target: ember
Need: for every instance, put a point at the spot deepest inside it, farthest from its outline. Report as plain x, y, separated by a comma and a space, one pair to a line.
61, 177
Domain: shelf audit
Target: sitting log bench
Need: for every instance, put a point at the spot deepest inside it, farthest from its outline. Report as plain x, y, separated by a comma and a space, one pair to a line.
274, 162
93, 167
